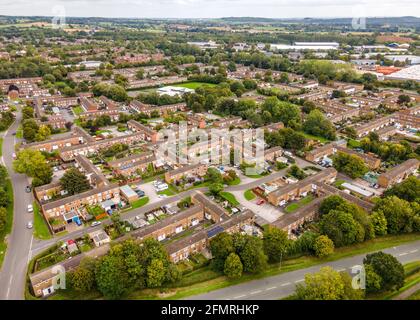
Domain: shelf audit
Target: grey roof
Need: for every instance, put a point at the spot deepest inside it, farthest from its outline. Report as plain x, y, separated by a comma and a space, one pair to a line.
91, 192
401, 168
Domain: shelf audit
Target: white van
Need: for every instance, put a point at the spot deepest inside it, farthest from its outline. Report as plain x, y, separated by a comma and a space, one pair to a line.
161, 187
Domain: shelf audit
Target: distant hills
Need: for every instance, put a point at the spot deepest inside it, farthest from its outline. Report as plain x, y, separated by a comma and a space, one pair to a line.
392, 21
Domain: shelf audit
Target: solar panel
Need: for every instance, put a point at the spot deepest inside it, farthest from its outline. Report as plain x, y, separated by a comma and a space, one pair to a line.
214, 231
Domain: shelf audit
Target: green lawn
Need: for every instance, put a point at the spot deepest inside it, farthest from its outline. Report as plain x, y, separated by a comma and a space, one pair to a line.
19, 132
193, 85
312, 137
229, 197
9, 221
296, 205
3, 248
1, 147
351, 143
170, 191
256, 176
249, 195
234, 182
140, 203
339, 182
41, 230
78, 110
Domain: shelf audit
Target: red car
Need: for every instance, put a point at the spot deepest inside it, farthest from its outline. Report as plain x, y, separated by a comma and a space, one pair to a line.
260, 202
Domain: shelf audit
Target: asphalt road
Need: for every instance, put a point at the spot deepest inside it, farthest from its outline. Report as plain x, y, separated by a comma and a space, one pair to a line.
283, 285
12, 274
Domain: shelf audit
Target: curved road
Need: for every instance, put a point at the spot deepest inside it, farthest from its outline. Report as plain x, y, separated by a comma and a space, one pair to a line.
283, 285
13, 272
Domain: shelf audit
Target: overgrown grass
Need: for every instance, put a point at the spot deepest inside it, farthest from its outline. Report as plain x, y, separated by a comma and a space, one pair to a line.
229, 197
249, 195
41, 230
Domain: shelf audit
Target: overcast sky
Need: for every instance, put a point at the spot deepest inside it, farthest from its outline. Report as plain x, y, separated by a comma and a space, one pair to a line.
212, 8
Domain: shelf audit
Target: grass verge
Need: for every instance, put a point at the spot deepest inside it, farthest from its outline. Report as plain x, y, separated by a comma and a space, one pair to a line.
229, 197
140, 203
9, 220
41, 230
205, 279
249, 195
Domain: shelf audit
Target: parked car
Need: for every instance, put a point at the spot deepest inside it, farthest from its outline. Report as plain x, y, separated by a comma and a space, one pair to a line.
29, 225
260, 202
140, 193
95, 223
14, 155
30, 208
161, 187
28, 189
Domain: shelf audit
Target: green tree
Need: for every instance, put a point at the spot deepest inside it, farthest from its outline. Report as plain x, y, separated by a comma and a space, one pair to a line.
296, 172
83, 278
327, 284
216, 188
408, 190
3, 218
318, 125
276, 243
44, 132
112, 279
341, 228
388, 268
221, 246
74, 181
330, 203
156, 273
398, 214
351, 165
373, 280
252, 255
379, 223
213, 176
233, 266
323, 246
4, 197
33, 164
